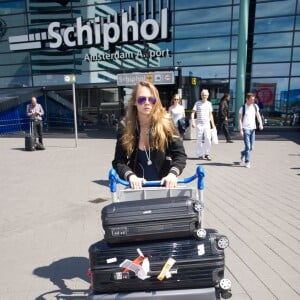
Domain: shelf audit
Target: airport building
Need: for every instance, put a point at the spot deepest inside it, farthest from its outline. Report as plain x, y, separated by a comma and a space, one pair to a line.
90, 53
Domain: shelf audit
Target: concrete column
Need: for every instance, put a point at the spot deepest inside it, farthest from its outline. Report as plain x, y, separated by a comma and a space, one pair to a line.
241, 58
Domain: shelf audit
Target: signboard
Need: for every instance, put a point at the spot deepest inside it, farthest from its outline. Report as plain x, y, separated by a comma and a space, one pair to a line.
157, 78
102, 32
70, 78
265, 92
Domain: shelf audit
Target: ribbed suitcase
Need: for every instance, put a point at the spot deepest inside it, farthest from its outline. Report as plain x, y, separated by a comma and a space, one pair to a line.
183, 294
150, 219
29, 142
30, 139
199, 264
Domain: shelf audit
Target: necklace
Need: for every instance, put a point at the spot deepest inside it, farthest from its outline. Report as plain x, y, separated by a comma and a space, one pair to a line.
149, 161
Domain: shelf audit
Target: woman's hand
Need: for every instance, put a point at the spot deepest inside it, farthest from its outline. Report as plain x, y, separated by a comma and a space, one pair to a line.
136, 182
170, 181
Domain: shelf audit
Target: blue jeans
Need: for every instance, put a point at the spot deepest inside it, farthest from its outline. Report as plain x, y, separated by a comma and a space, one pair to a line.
249, 138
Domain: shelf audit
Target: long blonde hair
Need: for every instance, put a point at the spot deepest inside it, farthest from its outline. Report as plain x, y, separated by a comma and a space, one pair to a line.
162, 128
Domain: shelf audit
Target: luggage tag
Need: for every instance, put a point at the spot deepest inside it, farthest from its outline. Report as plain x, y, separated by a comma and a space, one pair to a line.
166, 269
140, 271
137, 269
201, 249
138, 260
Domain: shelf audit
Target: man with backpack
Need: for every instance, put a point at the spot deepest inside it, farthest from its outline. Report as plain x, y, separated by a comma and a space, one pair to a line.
247, 125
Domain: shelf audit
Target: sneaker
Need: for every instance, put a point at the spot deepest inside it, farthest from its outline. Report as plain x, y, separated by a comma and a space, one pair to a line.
242, 157
247, 165
230, 141
207, 156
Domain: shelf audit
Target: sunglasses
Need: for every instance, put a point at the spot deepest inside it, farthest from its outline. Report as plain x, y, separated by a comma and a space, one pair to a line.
142, 99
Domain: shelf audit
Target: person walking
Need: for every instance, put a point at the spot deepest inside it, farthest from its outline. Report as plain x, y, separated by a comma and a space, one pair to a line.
247, 126
177, 112
35, 112
223, 116
203, 125
148, 146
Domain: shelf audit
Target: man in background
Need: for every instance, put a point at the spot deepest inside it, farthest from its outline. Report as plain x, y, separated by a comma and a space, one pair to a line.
223, 116
35, 112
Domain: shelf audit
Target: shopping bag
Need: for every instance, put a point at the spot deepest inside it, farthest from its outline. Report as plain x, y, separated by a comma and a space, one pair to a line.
214, 136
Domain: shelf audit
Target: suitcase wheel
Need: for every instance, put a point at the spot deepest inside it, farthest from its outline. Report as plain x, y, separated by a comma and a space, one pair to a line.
201, 233
223, 242
225, 284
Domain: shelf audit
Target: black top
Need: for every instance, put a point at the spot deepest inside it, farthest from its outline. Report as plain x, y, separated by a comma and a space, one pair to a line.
149, 170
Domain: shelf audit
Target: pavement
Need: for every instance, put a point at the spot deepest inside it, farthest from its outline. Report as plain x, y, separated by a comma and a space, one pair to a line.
51, 200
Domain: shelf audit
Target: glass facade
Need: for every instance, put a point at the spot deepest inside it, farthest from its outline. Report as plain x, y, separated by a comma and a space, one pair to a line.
202, 41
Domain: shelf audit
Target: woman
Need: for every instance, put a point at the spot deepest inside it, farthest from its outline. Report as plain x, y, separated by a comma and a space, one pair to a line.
176, 110
148, 147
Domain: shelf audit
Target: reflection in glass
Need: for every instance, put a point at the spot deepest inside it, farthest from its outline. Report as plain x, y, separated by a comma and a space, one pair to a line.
203, 58
269, 70
296, 53
202, 30
274, 24
14, 58
206, 44
12, 7
276, 8
296, 69
15, 82
269, 40
271, 55
16, 70
200, 3
207, 15
297, 39
206, 72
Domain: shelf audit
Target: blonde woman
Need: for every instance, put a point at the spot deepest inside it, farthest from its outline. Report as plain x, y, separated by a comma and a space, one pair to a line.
148, 147
176, 110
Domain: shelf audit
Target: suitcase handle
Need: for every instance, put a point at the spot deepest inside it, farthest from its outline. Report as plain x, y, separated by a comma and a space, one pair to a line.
114, 179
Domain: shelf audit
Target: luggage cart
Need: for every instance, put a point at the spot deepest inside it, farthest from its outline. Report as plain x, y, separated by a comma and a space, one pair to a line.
152, 190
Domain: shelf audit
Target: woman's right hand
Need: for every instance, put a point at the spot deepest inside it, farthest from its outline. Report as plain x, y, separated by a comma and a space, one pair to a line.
136, 182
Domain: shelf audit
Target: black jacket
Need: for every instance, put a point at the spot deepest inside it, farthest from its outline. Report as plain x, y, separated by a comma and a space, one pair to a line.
223, 110
173, 160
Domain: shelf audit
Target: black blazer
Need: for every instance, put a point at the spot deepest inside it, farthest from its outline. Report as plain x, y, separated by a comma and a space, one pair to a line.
172, 160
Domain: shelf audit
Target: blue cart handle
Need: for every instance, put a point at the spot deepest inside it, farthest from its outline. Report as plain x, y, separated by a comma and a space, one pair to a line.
114, 179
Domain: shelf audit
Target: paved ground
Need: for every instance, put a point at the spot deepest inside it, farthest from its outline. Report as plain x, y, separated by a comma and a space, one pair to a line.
51, 200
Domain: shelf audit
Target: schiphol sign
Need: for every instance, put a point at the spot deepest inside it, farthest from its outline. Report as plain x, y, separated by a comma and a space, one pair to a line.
96, 33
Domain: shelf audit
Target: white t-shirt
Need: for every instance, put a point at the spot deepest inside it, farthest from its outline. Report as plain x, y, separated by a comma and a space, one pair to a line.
203, 110
249, 117
176, 113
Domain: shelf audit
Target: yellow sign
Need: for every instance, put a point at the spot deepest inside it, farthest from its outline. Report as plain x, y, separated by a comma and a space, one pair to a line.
149, 78
194, 81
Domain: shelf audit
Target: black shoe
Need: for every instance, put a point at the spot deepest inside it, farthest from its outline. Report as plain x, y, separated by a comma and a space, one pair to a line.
230, 141
207, 156
242, 157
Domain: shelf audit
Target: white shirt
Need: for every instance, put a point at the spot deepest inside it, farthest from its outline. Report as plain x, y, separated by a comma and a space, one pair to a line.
203, 110
249, 117
176, 113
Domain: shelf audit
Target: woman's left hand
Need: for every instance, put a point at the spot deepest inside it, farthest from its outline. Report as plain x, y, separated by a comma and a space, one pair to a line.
170, 181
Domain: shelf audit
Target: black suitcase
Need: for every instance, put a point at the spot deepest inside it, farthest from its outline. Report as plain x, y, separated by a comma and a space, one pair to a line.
30, 139
199, 264
150, 219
